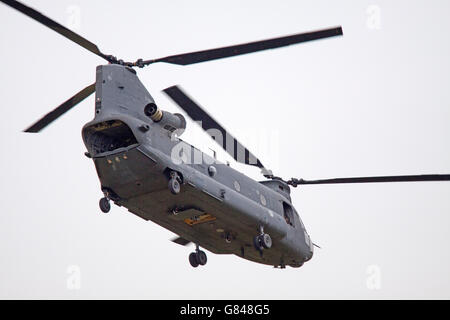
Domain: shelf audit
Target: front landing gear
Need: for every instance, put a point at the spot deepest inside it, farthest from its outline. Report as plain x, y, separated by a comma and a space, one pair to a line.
262, 241
197, 258
193, 260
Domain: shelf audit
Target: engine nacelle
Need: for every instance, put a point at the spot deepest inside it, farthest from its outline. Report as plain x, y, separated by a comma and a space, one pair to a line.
169, 121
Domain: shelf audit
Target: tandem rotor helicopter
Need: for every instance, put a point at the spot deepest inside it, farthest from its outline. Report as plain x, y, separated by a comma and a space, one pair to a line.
144, 166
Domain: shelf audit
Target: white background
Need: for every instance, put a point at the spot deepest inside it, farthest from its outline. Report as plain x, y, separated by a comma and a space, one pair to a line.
373, 102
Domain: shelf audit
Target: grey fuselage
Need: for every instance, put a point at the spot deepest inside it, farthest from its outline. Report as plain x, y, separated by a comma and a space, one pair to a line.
133, 156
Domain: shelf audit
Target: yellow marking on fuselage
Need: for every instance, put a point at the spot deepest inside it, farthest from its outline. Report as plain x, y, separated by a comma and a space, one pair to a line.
199, 219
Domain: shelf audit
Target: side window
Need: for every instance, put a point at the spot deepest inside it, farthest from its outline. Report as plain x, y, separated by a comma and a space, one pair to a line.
288, 214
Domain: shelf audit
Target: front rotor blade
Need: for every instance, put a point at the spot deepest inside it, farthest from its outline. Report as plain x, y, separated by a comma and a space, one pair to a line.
60, 110
411, 178
225, 52
30, 12
230, 144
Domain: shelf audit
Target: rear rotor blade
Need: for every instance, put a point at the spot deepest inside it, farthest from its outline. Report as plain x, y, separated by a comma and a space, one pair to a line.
36, 15
228, 143
412, 178
225, 52
60, 110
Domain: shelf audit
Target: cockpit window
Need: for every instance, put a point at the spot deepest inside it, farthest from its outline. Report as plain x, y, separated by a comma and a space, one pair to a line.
288, 214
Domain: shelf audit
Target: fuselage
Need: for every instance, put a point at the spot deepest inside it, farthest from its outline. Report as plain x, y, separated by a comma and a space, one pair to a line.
218, 207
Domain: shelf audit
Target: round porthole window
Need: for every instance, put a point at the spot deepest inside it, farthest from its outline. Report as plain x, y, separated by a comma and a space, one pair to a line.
263, 200
212, 171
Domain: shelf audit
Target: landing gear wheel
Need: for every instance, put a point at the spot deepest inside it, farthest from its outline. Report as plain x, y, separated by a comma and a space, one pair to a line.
197, 258
266, 241
257, 243
263, 241
193, 260
174, 186
201, 258
105, 206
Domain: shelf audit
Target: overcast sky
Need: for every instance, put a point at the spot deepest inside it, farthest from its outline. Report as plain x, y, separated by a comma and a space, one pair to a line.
373, 102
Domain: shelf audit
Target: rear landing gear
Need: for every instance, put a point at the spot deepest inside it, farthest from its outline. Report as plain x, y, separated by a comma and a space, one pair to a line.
197, 258
104, 203
105, 206
174, 183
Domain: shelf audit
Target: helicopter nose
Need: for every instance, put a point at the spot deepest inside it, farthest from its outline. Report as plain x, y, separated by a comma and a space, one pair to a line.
310, 246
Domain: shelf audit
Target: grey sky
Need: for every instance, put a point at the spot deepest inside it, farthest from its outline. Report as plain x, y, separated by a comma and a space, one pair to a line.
374, 102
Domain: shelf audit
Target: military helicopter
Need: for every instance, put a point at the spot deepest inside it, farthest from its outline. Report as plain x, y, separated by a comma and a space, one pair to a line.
144, 166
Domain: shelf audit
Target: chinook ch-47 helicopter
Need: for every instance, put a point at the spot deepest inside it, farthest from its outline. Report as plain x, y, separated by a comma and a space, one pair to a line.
144, 166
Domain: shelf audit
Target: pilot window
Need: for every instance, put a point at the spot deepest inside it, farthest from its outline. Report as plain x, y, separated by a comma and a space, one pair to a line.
288, 214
